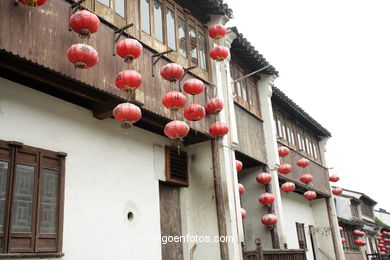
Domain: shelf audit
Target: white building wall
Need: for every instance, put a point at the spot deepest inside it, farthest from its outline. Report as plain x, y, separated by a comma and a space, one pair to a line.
255, 211
383, 216
313, 213
108, 173
343, 207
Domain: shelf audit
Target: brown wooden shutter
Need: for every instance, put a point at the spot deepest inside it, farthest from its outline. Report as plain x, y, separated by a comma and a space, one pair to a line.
24, 201
176, 167
48, 203
5, 166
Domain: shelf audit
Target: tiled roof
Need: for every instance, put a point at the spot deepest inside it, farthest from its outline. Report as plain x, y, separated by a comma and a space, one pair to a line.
299, 112
243, 50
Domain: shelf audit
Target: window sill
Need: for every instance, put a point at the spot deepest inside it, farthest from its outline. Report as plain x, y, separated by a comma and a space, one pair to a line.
32, 255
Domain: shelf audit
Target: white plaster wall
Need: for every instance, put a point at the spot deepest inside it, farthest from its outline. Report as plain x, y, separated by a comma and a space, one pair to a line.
343, 207
323, 236
108, 173
253, 228
199, 213
385, 217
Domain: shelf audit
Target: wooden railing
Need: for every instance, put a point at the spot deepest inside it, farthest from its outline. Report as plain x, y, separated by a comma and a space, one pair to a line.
377, 257
275, 254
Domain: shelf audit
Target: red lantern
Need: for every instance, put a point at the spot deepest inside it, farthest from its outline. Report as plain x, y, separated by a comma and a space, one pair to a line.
264, 178
379, 237
217, 31
284, 168
174, 100
283, 151
310, 195
303, 162
359, 242
269, 220
243, 213
387, 247
176, 130
128, 80
380, 245
218, 129
84, 23
358, 233
306, 178
341, 229
334, 178
32, 3
193, 86
129, 49
343, 240
288, 187
386, 240
266, 198
194, 112
337, 191
82, 56
238, 165
241, 189
127, 114
219, 53
214, 106
172, 72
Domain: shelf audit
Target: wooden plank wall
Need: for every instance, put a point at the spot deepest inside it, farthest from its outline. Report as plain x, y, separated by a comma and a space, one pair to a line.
320, 173
41, 35
250, 135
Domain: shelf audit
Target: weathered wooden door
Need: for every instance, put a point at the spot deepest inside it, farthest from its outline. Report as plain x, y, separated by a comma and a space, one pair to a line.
170, 221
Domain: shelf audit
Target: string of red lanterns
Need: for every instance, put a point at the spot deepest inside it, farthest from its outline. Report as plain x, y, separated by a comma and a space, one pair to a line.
128, 80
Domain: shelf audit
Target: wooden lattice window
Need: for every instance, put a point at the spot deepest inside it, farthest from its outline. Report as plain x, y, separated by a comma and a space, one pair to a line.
176, 167
31, 200
355, 209
367, 210
301, 236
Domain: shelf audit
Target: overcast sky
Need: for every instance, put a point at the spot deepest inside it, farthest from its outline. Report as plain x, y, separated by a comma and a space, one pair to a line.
333, 58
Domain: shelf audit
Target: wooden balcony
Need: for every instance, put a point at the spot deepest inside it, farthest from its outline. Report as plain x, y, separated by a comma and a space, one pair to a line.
274, 254
33, 45
320, 174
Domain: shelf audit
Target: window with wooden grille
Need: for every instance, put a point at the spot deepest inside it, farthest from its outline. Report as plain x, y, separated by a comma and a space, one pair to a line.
176, 167
161, 25
367, 210
301, 235
355, 209
349, 245
31, 199
295, 136
245, 90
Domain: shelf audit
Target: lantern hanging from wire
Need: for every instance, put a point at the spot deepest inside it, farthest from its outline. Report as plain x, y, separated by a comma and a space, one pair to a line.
128, 80
127, 114
269, 220
239, 165
214, 106
174, 100
82, 56
288, 187
217, 31
172, 72
84, 23
218, 129
284, 168
194, 112
129, 49
219, 53
264, 178
176, 130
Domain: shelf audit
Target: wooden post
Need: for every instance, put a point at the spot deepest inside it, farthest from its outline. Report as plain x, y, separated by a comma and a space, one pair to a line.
219, 199
332, 228
274, 230
259, 249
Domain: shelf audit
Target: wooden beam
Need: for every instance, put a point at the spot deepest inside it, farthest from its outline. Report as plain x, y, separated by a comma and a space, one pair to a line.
219, 199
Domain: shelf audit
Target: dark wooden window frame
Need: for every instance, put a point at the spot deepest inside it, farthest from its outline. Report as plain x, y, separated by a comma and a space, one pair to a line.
349, 245
301, 236
133, 15
169, 160
367, 210
242, 89
304, 142
355, 209
39, 244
